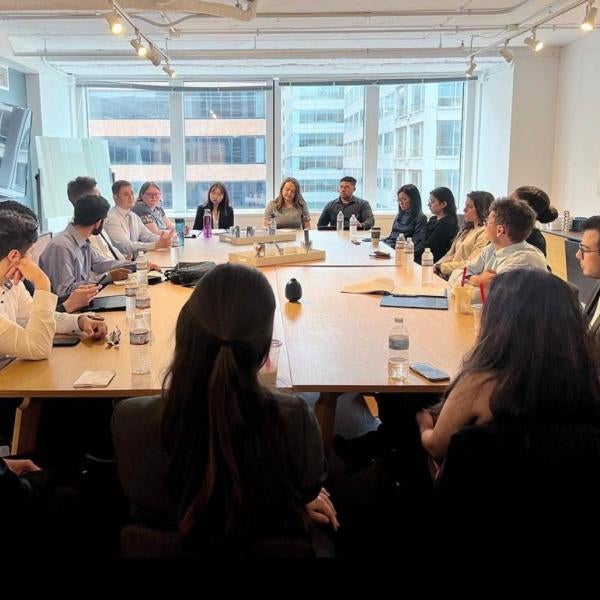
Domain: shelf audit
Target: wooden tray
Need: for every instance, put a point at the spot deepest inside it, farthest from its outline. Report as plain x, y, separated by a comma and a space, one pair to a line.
290, 255
256, 239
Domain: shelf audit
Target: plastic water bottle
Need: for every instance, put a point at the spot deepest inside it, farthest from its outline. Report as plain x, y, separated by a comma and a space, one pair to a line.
427, 267
272, 224
207, 223
180, 229
398, 344
409, 253
353, 226
139, 350
142, 269
131, 288
339, 223
400, 243
143, 315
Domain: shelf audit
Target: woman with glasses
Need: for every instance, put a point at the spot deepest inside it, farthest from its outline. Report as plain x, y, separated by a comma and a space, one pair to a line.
149, 210
472, 239
410, 220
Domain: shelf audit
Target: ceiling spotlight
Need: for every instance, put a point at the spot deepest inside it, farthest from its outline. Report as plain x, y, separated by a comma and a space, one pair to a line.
471, 68
114, 22
532, 41
169, 71
154, 57
589, 22
506, 54
139, 47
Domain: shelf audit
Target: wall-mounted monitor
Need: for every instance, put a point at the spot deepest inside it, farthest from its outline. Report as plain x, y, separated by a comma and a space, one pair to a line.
15, 129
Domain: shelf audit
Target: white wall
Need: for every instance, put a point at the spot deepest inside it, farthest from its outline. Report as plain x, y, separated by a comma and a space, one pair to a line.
494, 132
575, 184
533, 122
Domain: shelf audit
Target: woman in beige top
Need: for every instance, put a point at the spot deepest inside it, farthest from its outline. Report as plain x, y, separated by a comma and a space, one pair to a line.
471, 239
534, 363
290, 208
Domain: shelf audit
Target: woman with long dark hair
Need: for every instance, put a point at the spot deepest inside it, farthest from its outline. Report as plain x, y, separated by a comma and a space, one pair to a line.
224, 458
221, 211
441, 228
471, 239
534, 362
410, 220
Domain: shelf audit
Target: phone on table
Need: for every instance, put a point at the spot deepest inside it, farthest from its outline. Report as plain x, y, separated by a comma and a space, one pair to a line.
430, 372
66, 341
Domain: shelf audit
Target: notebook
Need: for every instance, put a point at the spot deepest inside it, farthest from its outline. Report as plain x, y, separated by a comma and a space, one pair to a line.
386, 285
106, 303
430, 302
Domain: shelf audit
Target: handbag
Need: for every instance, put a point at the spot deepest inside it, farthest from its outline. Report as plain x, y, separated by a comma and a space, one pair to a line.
189, 273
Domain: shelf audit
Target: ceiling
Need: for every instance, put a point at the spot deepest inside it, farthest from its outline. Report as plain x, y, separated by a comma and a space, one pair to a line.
309, 37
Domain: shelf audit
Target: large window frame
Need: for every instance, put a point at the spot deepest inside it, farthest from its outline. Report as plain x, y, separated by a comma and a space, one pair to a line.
273, 134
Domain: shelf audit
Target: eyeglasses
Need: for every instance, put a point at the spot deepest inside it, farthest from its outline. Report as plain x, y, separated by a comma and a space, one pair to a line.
584, 250
153, 194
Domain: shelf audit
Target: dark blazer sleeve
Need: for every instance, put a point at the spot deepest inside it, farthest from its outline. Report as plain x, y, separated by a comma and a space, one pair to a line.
419, 233
324, 218
439, 240
226, 218
198, 220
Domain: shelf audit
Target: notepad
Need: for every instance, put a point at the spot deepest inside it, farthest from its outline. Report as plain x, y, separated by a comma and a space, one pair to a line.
94, 379
386, 285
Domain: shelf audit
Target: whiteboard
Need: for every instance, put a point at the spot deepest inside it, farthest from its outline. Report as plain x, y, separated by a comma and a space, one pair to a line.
62, 159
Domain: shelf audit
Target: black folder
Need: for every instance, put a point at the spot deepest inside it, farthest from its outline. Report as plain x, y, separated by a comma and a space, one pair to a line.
430, 302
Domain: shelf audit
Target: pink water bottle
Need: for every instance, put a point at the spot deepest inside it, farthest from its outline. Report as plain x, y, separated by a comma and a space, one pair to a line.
207, 223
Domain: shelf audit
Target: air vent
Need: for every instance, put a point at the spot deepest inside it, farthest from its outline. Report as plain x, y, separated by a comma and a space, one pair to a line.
4, 78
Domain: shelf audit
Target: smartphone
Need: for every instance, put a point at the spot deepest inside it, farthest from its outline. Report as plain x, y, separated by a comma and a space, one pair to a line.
103, 281
429, 372
65, 341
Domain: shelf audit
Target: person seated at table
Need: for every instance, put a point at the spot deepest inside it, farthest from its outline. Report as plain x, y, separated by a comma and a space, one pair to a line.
79, 297
126, 229
70, 261
102, 244
28, 324
508, 225
442, 226
220, 208
472, 238
410, 220
220, 457
544, 212
349, 205
149, 210
289, 208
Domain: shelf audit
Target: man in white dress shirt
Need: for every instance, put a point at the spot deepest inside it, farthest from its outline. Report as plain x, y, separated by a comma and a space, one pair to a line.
27, 325
126, 229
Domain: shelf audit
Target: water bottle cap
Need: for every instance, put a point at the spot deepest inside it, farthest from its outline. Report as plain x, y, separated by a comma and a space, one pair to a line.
427, 250
398, 320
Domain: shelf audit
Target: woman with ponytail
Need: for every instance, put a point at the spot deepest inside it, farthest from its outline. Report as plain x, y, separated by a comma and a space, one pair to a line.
227, 461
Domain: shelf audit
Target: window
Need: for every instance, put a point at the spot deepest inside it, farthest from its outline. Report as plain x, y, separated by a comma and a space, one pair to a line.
450, 94
401, 101
388, 142
322, 138
414, 176
225, 141
449, 178
125, 118
448, 138
416, 97
401, 142
416, 140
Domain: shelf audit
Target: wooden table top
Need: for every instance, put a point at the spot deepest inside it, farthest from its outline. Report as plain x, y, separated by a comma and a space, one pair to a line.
340, 252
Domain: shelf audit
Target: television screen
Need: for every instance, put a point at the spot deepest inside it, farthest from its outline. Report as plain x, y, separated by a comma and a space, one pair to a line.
15, 127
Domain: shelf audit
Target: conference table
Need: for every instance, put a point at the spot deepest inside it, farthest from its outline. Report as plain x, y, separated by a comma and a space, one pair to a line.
333, 342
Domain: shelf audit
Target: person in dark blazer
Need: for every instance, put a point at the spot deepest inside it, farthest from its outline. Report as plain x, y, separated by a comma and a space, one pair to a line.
441, 228
540, 202
410, 220
220, 208
589, 259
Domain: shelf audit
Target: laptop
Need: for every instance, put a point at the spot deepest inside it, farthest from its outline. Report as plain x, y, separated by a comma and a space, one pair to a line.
106, 303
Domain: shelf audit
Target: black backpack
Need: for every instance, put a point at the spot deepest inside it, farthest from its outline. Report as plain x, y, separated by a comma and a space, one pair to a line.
189, 274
